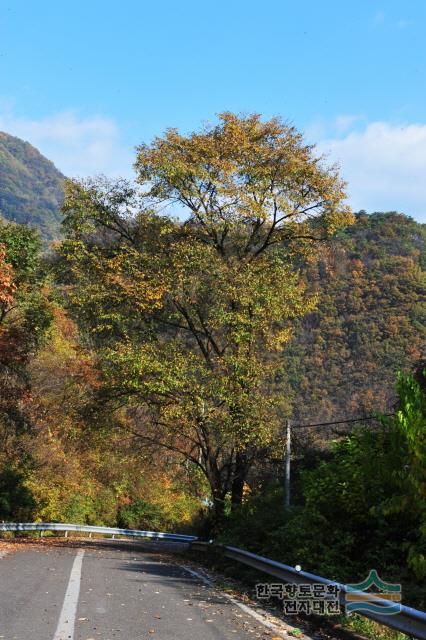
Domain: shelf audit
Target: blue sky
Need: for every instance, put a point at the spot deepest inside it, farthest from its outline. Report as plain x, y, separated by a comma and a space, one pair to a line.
87, 81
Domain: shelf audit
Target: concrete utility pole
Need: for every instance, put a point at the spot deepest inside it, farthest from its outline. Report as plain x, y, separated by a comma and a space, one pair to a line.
287, 466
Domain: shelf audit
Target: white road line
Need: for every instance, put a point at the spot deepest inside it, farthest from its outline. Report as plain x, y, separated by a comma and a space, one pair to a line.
260, 617
65, 628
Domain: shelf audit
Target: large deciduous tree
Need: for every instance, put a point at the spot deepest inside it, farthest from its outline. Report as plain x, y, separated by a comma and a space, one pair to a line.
190, 313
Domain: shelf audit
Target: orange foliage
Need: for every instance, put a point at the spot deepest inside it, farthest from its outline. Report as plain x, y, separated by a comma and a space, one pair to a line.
7, 286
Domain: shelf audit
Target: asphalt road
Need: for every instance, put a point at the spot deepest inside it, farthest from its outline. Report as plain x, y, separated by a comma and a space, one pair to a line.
112, 592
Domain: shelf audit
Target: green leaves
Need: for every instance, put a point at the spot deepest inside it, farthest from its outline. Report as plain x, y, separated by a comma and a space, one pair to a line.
189, 317
252, 178
23, 249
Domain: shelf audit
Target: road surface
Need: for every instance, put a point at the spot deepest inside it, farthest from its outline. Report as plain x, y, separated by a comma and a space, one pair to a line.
112, 592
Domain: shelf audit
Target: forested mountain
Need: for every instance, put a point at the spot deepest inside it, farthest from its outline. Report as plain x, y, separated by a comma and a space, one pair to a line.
370, 320
147, 366
30, 187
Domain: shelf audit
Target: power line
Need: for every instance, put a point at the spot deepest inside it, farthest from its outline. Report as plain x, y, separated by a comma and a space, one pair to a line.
345, 421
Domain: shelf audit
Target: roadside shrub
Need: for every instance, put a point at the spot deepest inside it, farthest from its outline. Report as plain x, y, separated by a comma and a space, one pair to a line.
16, 500
363, 507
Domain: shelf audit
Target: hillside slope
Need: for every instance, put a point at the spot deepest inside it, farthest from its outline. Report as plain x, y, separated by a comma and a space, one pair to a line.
30, 186
371, 318
370, 321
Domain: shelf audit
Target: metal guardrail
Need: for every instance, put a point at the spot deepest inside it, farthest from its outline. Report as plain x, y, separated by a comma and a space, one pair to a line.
81, 528
409, 621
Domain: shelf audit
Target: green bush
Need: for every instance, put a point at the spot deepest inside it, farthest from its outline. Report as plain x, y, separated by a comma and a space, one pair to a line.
363, 507
140, 514
100, 510
16, 501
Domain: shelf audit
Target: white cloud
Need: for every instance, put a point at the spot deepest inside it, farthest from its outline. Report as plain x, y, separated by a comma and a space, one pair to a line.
384, 165
403, 24
379, 17
79, 146
345, 122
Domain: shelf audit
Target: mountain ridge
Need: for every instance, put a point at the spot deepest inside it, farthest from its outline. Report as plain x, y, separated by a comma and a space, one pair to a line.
370, 321
31, 187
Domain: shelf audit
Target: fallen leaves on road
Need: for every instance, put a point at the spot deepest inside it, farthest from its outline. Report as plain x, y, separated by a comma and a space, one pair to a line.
10, 546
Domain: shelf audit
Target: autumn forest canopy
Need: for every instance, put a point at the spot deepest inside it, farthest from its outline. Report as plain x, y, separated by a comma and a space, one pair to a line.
151, 355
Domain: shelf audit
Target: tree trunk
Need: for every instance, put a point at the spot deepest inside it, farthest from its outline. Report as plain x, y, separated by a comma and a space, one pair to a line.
218, 492
218, 509
240, 474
